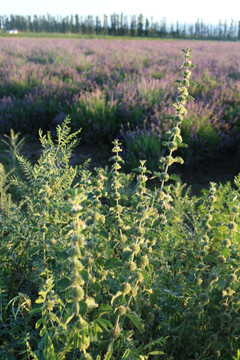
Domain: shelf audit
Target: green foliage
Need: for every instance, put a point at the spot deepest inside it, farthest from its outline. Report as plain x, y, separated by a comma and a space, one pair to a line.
142, 145
97, 115
94, 268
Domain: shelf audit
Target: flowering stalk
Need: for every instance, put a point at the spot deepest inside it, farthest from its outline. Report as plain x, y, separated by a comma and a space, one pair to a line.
174, 135
116, 185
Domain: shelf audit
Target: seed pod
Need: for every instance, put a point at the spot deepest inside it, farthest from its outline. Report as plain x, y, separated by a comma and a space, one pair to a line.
144, 261
43, 229
116, 331
122, 310
131, 266
235, 209
226, 243
84, 345
217, 354
209, 217
185, 82
213, 198
135, 248
98, 193
199, 281
221, 259
90, 261
96, 203
46, 200
119, 209
187, 63
178, 118
81, 323
140, 277
77, 265
169, 160
102, 219
77, 279
126, 288
176, 130
205, 238
123, 239
97, 216
187, 74
172, 145
181, 99
232, 226
77, 293
164, 176
149, 250
120, 222
91, 244
116, 196
229, 291
140, 231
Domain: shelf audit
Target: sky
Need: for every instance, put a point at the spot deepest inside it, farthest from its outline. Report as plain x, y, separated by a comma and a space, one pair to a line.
211, 11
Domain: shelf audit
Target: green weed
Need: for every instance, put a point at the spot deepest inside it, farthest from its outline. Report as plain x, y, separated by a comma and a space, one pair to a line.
94, 268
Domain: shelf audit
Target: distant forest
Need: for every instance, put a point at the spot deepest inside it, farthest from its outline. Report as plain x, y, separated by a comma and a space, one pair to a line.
120, 25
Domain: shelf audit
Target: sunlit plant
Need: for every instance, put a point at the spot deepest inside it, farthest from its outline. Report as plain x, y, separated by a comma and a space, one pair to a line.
93, 267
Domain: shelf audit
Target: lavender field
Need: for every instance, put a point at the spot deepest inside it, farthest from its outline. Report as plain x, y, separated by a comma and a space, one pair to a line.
121, 89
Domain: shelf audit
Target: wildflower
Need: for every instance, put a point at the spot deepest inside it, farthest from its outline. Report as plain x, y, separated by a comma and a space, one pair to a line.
142, 178
76, 208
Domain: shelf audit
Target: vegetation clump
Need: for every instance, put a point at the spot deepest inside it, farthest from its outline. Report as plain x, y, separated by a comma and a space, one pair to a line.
92, 268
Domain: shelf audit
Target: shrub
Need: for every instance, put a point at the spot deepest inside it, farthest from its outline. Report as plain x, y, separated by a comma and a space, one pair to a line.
91, 270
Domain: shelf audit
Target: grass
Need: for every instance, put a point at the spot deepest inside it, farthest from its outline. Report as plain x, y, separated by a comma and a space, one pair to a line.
77, 36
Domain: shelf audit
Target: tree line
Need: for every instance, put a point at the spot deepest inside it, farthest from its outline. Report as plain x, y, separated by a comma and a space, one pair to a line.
120, 25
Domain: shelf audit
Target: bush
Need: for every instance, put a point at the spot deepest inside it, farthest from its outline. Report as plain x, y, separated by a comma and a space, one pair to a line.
90, 270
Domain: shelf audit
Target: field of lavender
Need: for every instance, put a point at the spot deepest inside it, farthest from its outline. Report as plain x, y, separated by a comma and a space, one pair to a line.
121, 89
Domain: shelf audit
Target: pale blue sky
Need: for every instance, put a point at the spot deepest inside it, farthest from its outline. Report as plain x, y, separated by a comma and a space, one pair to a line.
183, 10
